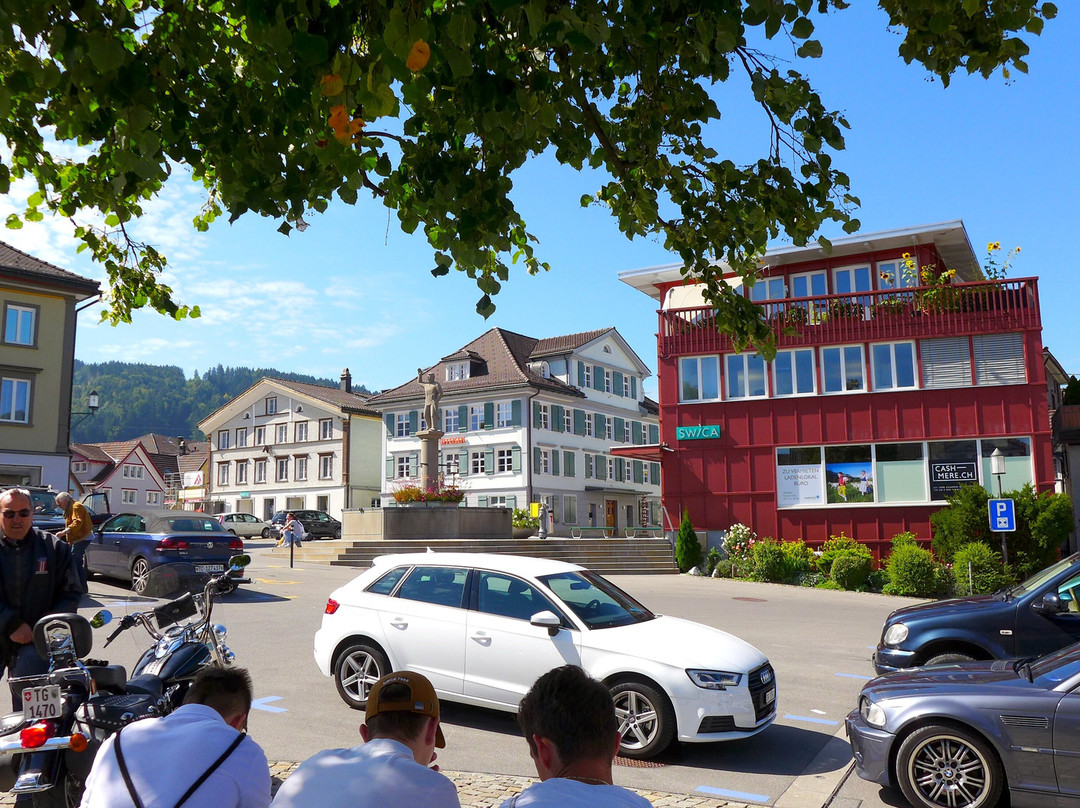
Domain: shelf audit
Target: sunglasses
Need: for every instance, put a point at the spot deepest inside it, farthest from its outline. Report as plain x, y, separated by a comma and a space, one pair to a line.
25, 512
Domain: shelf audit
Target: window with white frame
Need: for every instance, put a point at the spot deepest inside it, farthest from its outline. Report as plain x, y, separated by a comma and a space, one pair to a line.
545, 461
326, 466
611, 468
260, 436
497, 501
128, 496
223, 439
699, 378
282, 469
645, 474
628, 470
626, 389
132, 471
457, 371
809, 284
766, 289
587, 374
892, 275
271, 405
282, 433
794, 373
153, 497
300, 468
450, 419
301, 431
476, 462
503, 414
848, 280
543, 416
476, 417
843, 369
260, 471
609, 386
405, 466
609, 428
745, 376
893, 365
15, 400
451, 464
78, 466
326, 429
590, 425
402, 428
19, 324
504, 460
241, 437
241, 472
627, 435
223, 473
568, 420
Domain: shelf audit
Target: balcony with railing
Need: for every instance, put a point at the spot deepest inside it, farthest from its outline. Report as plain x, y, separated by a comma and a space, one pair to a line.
958, 309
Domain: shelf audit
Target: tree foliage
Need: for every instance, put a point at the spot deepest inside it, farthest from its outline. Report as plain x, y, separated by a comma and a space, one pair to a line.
687, 546
280, 106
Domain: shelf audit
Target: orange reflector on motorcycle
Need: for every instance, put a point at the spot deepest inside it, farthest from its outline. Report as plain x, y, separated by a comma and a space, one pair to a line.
331, 606
78, 742
36, 734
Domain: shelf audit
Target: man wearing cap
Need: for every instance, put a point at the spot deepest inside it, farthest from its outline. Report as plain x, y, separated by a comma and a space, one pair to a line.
391, 768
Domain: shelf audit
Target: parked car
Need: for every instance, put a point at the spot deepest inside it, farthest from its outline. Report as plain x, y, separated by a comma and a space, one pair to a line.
956, 736
317, 524
245, 525
1040, 615
483, 627
132, 543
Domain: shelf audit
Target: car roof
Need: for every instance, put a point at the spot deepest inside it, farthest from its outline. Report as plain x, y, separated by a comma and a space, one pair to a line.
162, 521
518, 565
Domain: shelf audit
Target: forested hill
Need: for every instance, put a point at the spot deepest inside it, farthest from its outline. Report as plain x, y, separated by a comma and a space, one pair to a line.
136, 398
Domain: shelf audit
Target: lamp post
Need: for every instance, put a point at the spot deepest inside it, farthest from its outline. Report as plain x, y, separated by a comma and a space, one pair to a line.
997, 468
93, 401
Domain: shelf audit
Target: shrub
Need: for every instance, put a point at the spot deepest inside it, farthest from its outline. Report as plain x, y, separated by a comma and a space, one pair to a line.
901, 539
810, 578
914, 572
798, 557
877, 580
987, 573
521, 519
711, 559
837, 545
687, 547
738, 542
723, 568
851, 569
768, 562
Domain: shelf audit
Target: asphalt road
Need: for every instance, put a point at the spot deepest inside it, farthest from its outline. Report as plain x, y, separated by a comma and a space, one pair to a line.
819, 643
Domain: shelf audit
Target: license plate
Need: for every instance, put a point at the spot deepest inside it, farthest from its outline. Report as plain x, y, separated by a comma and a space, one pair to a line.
209, 567
770, 696
41, 702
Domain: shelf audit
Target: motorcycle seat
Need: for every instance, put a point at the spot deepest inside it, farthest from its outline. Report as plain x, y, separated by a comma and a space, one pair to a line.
146, 683
109, 677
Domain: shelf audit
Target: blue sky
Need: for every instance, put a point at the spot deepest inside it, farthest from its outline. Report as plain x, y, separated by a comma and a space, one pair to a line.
354, 291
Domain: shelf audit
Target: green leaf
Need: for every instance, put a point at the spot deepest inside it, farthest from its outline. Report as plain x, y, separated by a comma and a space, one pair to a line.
810, 49
940, 23
484, 307
13, 222
112, 220
802, 28
106, 54
312, 49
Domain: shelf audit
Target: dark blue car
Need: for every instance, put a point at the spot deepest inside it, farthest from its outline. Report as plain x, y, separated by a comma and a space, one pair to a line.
132, 543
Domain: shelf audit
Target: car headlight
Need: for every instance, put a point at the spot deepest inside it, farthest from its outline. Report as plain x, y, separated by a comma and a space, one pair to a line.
714, 680
895, 634
871, 712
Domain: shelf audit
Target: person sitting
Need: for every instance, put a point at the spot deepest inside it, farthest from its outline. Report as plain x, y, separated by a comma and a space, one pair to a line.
198, 756
292, 532
391, 768
568, 719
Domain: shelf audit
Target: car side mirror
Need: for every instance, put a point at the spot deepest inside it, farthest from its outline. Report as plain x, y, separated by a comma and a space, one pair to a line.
1050, 604
547, 619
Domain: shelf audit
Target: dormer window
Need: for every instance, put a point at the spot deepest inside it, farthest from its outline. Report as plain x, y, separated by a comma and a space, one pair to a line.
457, 371
271, 405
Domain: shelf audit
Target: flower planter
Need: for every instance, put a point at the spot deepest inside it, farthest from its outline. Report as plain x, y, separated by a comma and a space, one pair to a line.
523, 532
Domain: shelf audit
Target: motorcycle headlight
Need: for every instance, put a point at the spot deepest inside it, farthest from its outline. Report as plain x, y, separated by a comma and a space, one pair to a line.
714, 680
871, 712
895, 634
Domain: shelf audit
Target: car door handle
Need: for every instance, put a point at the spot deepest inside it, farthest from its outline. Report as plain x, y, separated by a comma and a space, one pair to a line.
399, 622
482, 638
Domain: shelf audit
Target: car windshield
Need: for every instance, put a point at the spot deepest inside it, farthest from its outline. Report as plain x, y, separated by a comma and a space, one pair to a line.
45, 503
597, 602
1051, 669
1040, 578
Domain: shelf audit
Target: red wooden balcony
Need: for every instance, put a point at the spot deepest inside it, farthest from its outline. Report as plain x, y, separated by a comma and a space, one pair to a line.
958, 309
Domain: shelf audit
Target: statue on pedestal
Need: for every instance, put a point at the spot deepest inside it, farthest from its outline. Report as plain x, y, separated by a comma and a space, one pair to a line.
432, 394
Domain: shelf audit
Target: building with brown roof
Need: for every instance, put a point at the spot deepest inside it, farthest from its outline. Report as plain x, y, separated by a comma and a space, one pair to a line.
535, 420
284, 445
37, 352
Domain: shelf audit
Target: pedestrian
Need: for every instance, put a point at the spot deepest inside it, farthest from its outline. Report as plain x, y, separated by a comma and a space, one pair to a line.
292, 532
391, 769
77, 530
37, 577
568, 719
198, 756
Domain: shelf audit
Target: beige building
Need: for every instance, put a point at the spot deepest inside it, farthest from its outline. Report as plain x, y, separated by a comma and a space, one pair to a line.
37, 352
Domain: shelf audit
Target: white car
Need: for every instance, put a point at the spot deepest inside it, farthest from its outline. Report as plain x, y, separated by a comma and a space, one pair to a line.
246, 526
482, 628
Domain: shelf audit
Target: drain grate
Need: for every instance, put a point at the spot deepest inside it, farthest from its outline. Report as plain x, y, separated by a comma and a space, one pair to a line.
638, 764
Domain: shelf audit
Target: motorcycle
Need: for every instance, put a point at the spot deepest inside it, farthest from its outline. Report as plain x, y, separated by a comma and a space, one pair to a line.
47, 749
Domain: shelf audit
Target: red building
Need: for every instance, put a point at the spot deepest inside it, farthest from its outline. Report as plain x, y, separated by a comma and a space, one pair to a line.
890, 389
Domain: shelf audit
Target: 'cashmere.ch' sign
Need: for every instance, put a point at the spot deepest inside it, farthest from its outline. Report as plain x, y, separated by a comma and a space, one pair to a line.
703, 432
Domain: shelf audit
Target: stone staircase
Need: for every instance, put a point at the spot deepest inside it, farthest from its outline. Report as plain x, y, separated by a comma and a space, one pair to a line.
611, 556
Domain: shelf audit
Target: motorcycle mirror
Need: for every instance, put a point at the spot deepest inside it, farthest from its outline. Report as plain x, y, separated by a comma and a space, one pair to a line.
239, 562
102, 618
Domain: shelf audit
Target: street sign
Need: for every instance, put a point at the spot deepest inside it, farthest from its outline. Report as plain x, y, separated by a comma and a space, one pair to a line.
1002, 515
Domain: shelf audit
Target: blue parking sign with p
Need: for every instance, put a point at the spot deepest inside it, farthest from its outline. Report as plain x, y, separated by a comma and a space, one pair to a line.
1002, 515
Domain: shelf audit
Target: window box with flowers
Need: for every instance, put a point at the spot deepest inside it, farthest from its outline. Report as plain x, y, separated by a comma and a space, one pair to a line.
409, 494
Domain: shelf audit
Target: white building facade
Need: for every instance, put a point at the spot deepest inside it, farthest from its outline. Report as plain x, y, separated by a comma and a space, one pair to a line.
528, 420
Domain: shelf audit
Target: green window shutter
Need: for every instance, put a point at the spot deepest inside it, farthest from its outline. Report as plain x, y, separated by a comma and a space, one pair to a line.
601, 467
439, 426
388, 419
515, 459
414, 463
654, 433
515, 412
557, 418
620, 430
654, 473
463, 463
511, 501
598, 377
489, 461
636, 433
620, 470
569, 461
462, 418
536, 460
481, 501
638, 470
489, 415
389, 468
616, 383
633, 386
601, 425
555, 462
580, 374
536, 414
579, 422
414, 422
588, 466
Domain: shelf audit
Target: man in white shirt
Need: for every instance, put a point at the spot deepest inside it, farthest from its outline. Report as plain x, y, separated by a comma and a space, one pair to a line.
391, 768
568, 719
198, 756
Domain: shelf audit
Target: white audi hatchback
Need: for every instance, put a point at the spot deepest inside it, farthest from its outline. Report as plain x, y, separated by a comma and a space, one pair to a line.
482, 628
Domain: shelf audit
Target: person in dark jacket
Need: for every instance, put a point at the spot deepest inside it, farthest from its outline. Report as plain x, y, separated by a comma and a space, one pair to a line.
37, 577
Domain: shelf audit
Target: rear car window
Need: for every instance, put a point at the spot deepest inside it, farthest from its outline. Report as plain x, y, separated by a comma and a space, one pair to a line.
443, 586
193, 525
385, 585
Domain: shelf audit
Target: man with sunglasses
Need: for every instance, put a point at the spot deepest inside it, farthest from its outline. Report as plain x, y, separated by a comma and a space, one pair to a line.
37, 577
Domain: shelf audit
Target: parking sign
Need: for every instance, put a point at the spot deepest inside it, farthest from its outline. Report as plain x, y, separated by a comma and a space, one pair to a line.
1002, 515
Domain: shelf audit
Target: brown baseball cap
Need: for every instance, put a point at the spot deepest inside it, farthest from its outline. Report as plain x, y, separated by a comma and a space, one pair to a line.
422, 699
